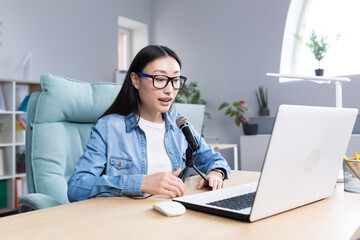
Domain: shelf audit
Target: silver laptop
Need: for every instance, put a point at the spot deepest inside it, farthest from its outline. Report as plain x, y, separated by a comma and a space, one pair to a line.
301, 166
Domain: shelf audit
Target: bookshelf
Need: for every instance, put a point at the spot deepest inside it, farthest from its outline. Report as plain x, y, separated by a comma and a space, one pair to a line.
12, 141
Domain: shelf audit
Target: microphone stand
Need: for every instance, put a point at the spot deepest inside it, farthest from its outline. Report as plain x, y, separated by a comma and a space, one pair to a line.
189, 163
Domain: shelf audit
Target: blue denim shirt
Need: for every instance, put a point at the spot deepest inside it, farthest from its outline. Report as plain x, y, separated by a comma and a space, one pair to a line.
115, 158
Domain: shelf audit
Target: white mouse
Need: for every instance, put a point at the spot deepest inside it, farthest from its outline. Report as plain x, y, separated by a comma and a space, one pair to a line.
169, 208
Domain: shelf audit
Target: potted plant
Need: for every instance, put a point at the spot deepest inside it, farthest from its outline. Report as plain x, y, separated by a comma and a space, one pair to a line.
262, 99
237, 110
318, 46
188, 102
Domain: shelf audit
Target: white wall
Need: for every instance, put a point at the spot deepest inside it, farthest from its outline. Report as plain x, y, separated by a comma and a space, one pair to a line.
227, 47
74, 38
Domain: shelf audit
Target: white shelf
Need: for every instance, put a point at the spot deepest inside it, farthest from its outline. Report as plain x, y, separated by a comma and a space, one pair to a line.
6, 210
6, 112
20, 175
13, 92
5, 177
317, 79
304, 77
6, 144
19, 144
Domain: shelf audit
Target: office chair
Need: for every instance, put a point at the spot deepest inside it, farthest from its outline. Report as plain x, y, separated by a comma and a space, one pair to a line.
59, 122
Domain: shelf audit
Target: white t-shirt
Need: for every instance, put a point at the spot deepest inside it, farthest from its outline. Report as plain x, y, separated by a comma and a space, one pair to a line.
158, 159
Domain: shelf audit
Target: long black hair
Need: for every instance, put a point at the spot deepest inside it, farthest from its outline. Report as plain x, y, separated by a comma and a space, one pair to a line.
128, 100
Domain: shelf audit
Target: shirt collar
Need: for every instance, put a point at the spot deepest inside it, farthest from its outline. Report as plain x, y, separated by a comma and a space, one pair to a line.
131, 121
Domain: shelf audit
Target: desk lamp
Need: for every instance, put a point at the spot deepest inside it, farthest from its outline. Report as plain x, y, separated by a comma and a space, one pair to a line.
317, 79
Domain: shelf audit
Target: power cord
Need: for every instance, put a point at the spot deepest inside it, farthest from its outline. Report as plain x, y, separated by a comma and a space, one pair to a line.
118, 195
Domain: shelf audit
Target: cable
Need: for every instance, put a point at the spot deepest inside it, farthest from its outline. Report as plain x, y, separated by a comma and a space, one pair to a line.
194, 159
118, 195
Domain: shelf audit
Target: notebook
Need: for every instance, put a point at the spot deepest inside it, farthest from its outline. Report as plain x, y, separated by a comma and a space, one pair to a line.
301, 165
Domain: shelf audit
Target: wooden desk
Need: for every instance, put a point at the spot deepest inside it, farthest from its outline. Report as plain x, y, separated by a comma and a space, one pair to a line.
220, 146
119, 218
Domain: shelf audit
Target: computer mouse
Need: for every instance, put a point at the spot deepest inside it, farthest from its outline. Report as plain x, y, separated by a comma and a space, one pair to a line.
169, 208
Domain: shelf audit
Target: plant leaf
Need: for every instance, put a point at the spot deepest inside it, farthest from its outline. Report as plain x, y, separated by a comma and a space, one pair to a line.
237, 122
224, 104
228, 111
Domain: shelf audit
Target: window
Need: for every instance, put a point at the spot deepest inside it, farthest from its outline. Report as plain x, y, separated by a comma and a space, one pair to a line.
123, 49
328, 18
132, 37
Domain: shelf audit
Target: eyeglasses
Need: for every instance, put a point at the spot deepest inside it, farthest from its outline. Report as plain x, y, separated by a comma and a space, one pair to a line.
161, 81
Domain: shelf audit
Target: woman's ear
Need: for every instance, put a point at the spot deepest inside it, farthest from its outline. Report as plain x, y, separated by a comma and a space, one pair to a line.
134, 80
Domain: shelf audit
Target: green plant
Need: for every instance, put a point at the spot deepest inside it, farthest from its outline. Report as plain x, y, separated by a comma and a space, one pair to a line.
189, 93
318, 46
262, 97
237, 110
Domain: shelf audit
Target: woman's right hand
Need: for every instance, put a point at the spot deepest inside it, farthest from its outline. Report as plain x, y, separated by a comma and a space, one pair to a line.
164, 184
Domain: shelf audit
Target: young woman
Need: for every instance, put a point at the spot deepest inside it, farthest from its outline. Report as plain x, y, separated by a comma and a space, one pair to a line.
135, 148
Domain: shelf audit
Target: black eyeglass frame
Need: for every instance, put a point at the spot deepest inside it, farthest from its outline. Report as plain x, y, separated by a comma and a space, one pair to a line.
170, 79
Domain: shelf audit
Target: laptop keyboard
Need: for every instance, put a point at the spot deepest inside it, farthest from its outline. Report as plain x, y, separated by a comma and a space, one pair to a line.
236, 203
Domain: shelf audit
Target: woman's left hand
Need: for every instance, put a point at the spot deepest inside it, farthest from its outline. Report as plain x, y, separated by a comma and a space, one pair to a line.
215, 181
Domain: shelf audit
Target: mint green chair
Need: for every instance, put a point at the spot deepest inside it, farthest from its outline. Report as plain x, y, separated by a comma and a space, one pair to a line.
59, 122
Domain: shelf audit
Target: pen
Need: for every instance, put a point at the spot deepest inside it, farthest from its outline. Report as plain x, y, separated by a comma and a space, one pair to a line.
351, 166
357, 157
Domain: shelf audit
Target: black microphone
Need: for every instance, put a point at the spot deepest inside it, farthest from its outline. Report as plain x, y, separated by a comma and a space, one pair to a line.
183, 124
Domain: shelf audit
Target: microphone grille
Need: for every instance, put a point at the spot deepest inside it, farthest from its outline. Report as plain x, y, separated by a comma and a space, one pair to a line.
181, 121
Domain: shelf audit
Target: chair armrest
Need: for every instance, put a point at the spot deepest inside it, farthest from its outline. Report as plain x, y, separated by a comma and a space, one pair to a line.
35, 201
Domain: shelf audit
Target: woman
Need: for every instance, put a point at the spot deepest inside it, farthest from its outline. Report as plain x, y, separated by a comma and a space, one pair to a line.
135, 148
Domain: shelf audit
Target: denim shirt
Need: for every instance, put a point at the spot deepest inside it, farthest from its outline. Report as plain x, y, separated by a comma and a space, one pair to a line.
115, 159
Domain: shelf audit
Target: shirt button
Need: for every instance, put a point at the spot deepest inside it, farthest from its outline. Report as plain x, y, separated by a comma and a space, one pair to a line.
171, 151
176, 168
119, 164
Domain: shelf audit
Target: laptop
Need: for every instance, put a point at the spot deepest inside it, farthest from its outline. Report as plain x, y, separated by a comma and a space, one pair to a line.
301, 166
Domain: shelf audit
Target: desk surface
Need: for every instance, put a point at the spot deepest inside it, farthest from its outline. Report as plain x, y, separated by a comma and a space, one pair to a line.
115, 218
219, 146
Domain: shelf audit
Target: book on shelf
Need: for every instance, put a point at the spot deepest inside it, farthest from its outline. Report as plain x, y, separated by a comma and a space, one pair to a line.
20, 127
3, 194
20, 124
24, 104
19, 190
2, 101
2, 165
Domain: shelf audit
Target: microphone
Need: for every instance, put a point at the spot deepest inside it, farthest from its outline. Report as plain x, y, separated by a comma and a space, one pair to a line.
183, 124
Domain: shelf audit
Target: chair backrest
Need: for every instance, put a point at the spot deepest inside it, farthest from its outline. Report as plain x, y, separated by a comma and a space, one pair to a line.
59, 123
